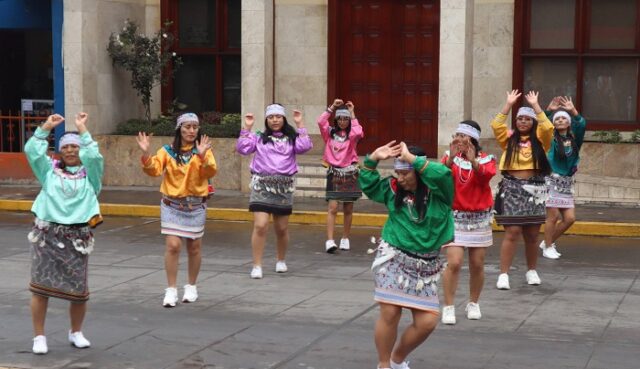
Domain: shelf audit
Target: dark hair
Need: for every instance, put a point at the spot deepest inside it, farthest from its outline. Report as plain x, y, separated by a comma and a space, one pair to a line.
475, 142
176, 146
286, 130
540, 161
559, 149
422, 191
61, 163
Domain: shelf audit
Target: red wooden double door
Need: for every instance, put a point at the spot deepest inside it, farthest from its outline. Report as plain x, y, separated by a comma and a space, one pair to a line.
383, 56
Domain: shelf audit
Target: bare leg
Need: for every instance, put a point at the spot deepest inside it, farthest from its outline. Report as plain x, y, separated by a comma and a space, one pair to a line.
386, 332
530, 234
424, 323
171, 257
455, 256
39, 306
194, 251
259, 236
76, 315
508, 248
281, 225
348, 218
476, 272
553, 214
332, 213
568, 218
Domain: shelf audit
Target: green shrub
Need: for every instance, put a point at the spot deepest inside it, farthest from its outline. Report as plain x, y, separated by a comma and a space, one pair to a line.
635, 136
612, 136
227, 126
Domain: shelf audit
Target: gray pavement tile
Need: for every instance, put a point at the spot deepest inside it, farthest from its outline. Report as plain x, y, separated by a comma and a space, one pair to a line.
612, 355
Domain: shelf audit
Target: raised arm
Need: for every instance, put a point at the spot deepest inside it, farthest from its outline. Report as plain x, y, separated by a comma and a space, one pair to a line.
545, 127
578, 123
247, 141
375, 187
36, 148
498, 124
303, 141
435, 175
89, 154
208, 166
357, 133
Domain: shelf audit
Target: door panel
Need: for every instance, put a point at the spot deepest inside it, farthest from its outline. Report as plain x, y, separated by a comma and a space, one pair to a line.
385, 59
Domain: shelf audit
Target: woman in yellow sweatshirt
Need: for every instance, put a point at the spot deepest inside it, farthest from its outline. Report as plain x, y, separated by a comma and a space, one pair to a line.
520, 201
187, 165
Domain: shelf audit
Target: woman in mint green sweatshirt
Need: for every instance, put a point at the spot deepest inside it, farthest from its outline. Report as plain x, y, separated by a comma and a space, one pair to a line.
564, 156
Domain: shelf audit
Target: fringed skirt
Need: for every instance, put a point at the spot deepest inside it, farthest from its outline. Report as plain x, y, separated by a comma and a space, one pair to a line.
59, 260
560, 191
406, 279
342, 184
472, 228
272, 194
183, 217
520, 201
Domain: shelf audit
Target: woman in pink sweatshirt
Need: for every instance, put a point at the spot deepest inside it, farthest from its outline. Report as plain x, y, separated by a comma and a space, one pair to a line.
341, 159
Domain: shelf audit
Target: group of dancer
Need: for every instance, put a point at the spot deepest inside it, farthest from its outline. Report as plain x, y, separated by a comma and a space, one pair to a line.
431, 205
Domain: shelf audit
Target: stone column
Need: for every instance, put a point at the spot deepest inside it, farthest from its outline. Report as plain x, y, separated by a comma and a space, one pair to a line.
456, 63
257, 66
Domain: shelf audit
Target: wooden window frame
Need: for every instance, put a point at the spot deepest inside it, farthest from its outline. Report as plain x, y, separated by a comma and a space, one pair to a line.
579, 53
169, 11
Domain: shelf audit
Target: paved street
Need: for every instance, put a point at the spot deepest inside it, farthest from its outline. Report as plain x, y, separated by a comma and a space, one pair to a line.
320, 315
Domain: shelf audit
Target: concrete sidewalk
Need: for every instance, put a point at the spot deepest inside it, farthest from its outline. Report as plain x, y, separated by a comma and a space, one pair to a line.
232, 205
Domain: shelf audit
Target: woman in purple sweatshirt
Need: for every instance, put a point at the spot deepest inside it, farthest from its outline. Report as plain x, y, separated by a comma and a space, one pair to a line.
273, 170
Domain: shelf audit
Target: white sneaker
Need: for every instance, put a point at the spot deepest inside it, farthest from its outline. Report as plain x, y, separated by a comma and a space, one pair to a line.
551, 252
402, 365
543, 247
190, 293
40, 345
449, 314
330, 246
281, 267
532, 278
503, 282
256, 272
77, 339
344, 244
170, 297
473, 311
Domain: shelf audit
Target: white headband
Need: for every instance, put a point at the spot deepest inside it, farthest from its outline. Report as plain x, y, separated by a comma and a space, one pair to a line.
343, 113
561, 113
399, 164
526, 112
468, 130
186, 117
68, 139
274, 109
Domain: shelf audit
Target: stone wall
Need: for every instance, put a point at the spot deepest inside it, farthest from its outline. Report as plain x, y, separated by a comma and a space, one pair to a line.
122, 161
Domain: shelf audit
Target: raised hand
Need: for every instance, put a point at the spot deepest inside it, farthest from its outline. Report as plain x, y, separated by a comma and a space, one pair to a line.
567, 104
143, 142
81, 122
350, 106
52, 122
248, 121
405, 154
470, 150
337, 103
554, 104
297, 118
454, 146
203, 145
532, 98
513, 96
390, 150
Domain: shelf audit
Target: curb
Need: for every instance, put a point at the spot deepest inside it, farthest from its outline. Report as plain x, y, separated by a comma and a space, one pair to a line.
607, 229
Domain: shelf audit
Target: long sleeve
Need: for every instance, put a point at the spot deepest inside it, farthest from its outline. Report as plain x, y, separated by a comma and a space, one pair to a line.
208, 165
155, 165
437, 177
372, 185
36, 151
500, 131
323, 125
487, 169
357, 133
303, 142
246, 142
579, 128
92, 160
544, 131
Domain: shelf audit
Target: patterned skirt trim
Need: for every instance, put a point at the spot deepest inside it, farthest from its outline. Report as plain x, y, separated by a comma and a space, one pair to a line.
342, 184
406, 279
560, 191
472, 228
272, 194
520, 201
59, 260
183, 218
